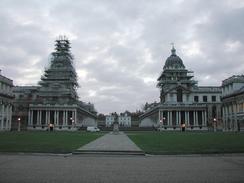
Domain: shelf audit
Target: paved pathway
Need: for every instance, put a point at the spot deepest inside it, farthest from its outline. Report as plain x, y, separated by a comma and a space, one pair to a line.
111, 143
120, 169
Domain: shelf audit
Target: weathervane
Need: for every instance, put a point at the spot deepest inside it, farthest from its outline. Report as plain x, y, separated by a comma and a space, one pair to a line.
173, 48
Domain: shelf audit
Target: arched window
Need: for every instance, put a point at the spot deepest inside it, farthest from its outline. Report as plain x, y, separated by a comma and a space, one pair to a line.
179, 95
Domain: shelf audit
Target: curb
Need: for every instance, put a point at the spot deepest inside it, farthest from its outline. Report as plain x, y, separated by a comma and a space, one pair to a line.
104, 152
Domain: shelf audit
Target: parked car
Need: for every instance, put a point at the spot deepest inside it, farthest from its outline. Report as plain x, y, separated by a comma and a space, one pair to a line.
92, 129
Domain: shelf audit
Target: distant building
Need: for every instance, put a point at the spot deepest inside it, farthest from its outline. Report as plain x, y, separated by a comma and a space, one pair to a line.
109, 120
6, 97
23, 97
124, 119
233, 103
55, 101
182, 101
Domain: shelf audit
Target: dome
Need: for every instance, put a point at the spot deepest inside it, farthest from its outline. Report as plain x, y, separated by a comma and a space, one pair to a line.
174, 61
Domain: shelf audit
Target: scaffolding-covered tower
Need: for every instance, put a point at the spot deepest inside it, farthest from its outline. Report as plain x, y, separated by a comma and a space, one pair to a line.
56, 103
60, 76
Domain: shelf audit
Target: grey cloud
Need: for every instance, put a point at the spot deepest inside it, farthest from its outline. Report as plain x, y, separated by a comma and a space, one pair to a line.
120, 43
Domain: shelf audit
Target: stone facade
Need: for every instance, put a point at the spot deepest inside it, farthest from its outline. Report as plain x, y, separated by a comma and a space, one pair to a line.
233, 103
182, 101
6, 97
54, 103
124, 120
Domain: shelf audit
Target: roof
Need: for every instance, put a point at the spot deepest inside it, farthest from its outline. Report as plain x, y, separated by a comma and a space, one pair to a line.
174, 61
235, 93
233, 79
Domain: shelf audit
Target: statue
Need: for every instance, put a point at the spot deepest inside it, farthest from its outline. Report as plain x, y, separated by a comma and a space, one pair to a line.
116, 124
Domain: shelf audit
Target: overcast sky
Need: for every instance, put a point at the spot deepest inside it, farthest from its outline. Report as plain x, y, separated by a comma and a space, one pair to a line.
120, 47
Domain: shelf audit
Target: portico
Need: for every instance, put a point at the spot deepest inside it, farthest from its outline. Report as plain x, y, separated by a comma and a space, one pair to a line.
174, 118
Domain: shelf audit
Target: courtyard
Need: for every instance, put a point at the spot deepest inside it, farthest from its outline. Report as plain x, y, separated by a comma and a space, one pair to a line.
165, 143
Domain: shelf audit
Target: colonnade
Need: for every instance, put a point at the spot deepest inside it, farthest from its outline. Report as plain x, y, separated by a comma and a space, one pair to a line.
230, 115
57, 117
189, 118
5, 116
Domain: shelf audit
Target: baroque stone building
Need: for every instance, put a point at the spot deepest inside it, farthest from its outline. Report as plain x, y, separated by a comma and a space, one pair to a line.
182, 102
54, 103
6, 97
124, 119
233, 103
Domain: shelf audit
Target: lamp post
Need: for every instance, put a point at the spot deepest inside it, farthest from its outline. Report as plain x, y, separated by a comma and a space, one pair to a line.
164, 122
160, 125
73, 122
215, 124
19, 124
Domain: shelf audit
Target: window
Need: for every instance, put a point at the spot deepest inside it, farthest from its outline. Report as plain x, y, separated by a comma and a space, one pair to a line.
205, 98
213, 98
179, 95
196, 99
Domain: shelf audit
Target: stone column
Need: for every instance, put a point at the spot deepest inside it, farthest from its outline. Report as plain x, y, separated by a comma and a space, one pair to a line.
205, 116
2, 114
75, 116
231, 117
64, 118
185, 118
168, 118
197, 118
223, 112
177, 119
171, 118
29, 117
194, 118
159, 117
202, 112
37, 118
7, 117
40, 117
235, 116
10, 116
57, 117
46, 118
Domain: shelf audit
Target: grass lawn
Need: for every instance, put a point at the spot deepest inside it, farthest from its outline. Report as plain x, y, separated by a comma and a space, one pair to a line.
47, 142
188, 142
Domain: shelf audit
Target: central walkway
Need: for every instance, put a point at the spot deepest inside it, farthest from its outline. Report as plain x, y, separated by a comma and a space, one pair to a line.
111, 144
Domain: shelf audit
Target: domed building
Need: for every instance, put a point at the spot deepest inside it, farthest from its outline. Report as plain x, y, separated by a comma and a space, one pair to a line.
183, 104
54, 103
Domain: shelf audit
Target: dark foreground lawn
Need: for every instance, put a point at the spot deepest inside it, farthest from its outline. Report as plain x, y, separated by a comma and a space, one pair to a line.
47, 142
188, 142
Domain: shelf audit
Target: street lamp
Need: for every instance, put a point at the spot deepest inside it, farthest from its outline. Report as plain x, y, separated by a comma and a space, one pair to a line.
164, 122
19, 124
215, 124
73, 122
